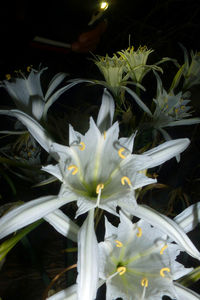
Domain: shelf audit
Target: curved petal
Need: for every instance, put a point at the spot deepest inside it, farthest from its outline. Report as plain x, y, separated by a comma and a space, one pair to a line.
55, 81
87, 259
29, 213
167, 226
106, 112
63, 224
184, 122
37, 131
189, 218
165, 151
185, 293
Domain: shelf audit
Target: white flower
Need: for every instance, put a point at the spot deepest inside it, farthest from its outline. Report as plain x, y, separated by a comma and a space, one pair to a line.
136, 62
28, 95
137, 262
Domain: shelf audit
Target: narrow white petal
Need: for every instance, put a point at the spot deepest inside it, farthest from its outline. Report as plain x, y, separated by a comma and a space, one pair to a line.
87, 260
106, 112
167, 226
184, 122
32, 125
185, 293
66, 294
29, 212
63, 224
189, 218
165, 151
37, 107
55, 81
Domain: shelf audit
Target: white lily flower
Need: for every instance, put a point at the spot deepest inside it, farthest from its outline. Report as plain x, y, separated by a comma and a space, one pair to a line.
28, 95
136, 62
87, 260
34, 210
185, 293
189, 218
137, 262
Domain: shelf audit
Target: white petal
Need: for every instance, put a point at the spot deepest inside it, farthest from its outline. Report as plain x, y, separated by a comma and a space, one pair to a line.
106, 112
87, 260
29, 213
54, 170
55, 81
165, 151
32, 125
184, 122
167, 226
63, 224
37, 107
189, 218
185, 293
66, 294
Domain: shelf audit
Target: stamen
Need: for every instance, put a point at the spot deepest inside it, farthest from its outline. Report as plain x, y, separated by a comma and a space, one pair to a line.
29, 68
82, 146
163, 249
118, 244
8, 76
120, 153
182, 107
144, 282
164, 270
125, 180
99, 187
104, 135
73, 167
139, 234
121, 270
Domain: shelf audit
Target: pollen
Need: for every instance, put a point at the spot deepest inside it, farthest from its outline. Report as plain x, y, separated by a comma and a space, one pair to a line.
121, 270
125, 180
118, 244
120, 153
163, 249
144, 282
139, 234
8, 76
164, 270
73, 167
82, 146
99, 187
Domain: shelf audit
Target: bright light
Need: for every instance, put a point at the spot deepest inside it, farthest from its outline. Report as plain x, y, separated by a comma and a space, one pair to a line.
104, 5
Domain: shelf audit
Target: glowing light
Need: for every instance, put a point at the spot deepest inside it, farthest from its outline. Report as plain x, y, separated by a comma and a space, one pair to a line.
121, 270
82, 146
163, 249
73, 167
120, 153
139, 234
144, 282
118, 244
125, 180
100, 186
164, 270
103, 5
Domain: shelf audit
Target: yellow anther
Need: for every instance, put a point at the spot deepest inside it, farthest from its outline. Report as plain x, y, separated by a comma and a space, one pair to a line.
29, 68
125, 180
144, 282
73, 167
164, 270
139, 234
8, 76
99, 187
120, 153
176, 110
118, 244
121, 270
82, 146
163, 249
104, 135
182, 107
